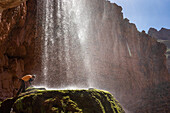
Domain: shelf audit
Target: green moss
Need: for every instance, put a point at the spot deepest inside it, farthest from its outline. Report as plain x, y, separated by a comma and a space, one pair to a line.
49, 100
99, 102
58, 101
113, 104
64, 104
26, 100
36, 95
0, 103
19, 104
7, 99
54, 109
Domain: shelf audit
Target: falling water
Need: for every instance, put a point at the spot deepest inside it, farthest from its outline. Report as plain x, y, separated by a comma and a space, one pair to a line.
85, 44
65, 60
77, 50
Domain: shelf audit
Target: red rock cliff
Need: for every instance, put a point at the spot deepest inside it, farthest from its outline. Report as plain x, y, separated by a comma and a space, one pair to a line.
162, 36
126, 61
129, 63
17, 37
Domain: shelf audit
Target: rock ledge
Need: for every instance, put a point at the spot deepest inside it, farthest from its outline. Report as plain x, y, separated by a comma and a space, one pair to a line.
62, 101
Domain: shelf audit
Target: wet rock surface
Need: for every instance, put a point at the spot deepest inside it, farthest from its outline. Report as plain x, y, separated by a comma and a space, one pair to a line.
56, 101
123, 60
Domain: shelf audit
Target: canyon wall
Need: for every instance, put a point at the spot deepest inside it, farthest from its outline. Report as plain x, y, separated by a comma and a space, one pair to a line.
128, 63
17, 44
6, 4
125, 61
163, 36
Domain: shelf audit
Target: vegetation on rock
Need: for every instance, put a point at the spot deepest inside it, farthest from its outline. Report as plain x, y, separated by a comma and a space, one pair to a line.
63, 101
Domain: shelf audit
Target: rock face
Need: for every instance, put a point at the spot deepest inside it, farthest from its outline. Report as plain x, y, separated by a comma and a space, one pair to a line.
58, 101
155, 99
162, 36
17, 37
122, 60
6, 4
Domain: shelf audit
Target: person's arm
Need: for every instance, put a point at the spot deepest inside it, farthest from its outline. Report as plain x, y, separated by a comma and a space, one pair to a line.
30, 81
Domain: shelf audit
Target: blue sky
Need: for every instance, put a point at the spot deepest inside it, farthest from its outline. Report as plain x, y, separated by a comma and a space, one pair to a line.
146, 13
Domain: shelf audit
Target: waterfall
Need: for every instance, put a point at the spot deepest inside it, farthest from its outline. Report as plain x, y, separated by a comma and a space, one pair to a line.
65, 59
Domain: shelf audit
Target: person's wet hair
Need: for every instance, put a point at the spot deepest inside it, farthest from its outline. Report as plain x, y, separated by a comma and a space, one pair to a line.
33, 76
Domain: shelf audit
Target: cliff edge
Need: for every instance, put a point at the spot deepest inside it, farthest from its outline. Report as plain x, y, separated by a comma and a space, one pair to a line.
163, 36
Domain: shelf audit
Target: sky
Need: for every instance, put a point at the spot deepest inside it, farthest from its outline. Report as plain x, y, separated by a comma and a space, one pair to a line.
146, 13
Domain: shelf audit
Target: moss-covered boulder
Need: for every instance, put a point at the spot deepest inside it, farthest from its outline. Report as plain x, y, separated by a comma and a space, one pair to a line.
63, 101
0, 103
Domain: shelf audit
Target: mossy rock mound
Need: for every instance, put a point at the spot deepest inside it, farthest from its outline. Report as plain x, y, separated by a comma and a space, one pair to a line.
63, 101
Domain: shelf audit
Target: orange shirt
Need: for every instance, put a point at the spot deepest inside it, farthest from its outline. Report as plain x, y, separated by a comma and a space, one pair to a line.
26, 78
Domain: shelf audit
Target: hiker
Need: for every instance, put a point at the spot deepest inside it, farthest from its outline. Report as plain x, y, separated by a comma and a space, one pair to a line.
26, 78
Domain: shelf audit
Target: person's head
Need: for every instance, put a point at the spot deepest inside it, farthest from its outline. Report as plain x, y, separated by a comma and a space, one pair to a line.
33, 76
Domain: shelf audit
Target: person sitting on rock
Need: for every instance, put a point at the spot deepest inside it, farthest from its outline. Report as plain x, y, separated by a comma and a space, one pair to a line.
26, 78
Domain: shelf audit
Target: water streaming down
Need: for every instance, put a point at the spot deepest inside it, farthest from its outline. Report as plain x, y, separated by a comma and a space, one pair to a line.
81, 44
87, 43
65, 60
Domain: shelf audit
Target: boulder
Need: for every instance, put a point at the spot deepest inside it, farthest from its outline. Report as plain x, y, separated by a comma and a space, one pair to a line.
62, 101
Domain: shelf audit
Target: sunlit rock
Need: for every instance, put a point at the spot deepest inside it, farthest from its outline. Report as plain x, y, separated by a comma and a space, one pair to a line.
163, 36
80, 43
